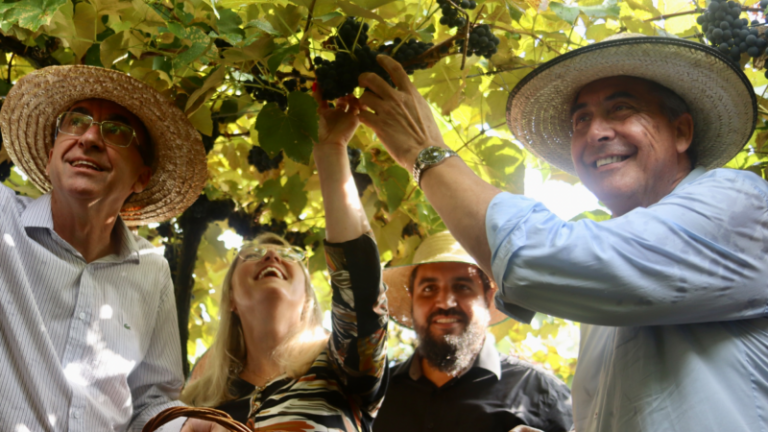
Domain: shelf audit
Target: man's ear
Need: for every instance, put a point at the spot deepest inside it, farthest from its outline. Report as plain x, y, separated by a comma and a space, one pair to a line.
683, 132
143, 180
489, 294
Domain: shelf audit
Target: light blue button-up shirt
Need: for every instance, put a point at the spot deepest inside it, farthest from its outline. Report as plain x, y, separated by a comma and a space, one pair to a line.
674, 296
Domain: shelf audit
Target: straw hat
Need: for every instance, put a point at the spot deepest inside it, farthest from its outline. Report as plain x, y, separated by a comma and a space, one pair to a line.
28, 122
720, 97
437, 248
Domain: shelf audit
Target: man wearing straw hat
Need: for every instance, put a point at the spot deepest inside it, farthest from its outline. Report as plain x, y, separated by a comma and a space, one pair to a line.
88, 333
456, 380
671, 290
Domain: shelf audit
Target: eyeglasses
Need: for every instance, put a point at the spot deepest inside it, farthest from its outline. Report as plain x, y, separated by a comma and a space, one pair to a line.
76, 124
288, 253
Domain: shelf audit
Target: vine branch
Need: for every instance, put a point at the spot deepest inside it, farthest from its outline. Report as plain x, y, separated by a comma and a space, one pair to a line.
695, 11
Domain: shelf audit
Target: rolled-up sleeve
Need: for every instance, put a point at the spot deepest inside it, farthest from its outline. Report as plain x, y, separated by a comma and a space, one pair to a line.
695, 256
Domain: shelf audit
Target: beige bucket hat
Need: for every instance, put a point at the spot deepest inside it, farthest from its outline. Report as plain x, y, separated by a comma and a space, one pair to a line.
28, 122
437, 248
720, 97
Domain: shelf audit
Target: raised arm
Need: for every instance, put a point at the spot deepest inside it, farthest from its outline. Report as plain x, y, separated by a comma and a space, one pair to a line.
403, 121
359, 311
344, 215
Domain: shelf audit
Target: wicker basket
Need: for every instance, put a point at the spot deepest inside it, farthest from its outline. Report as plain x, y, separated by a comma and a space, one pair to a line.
210, 414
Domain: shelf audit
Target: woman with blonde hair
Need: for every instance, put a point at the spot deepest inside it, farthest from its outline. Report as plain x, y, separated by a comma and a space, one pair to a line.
272, 366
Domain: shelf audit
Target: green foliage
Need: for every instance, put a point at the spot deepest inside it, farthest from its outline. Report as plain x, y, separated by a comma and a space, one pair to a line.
293, 131
203, 55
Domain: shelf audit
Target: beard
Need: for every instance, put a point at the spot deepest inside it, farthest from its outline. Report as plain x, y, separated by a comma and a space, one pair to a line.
452, 353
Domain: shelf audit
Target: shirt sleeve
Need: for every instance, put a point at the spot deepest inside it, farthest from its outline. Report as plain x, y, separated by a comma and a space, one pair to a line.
156, 383
358, 343
698, 255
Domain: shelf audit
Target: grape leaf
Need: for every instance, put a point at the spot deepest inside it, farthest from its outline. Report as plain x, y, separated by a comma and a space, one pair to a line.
31, 14
264, 26
566, 13
293, 132
276, 59
229, 26
396, 180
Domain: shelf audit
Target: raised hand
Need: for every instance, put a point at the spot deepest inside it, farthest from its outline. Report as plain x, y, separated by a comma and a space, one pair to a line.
337, 125
401, 117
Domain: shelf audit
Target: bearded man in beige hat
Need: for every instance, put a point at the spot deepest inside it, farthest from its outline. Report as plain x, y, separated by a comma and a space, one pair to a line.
456, 380
88, 332
671, 290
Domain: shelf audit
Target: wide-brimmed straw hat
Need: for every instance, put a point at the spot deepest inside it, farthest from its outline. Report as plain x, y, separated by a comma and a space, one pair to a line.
437, 248
720, 97
28, 121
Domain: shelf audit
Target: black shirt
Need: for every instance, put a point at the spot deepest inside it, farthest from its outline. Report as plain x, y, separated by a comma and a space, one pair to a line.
496, 394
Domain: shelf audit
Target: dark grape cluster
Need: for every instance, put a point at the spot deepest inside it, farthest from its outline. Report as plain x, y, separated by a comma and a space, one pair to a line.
351, 34
732, 35
265, 91
410, 50
247, 226
244, 224
482, 42
261, 160
338, 78
451, 16
297, 83
207, 210
5, 170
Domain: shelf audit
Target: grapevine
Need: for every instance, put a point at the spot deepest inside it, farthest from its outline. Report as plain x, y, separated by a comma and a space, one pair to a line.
338, 77
451, 15
482, 42
266, 92
731, 34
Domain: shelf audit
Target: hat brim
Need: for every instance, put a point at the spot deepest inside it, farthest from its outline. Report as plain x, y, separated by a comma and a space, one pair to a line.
28, 121
399, 301
720, 97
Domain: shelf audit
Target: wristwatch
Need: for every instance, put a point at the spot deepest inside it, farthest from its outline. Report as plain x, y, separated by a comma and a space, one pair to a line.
429, 157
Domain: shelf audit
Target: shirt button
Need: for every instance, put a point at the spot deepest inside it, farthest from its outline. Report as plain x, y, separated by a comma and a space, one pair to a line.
76, 414
82, 316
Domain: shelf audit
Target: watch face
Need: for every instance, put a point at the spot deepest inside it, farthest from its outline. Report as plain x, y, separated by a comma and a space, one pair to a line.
432, 155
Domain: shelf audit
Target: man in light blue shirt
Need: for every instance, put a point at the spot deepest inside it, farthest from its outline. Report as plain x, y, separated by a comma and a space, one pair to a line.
672, 290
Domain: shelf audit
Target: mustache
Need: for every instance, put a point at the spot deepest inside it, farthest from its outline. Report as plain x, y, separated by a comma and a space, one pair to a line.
450, 312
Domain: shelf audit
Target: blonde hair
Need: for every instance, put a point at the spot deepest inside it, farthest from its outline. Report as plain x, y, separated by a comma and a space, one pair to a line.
224, 360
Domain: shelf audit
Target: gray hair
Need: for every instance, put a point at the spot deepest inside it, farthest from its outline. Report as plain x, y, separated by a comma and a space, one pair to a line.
673, 106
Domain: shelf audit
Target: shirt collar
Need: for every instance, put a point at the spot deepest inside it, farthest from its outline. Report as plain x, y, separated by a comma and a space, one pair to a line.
690, 178
487, 358
38, 215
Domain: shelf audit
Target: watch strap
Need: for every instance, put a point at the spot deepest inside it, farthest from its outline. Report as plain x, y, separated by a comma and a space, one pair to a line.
420, 166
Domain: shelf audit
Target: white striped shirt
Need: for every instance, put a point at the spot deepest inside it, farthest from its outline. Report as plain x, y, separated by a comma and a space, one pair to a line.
83, 346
